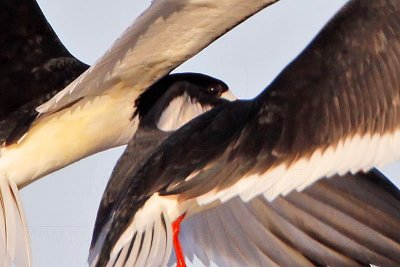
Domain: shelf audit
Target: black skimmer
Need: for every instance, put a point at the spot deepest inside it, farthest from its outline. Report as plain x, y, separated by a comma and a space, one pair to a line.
331, 112
76, 122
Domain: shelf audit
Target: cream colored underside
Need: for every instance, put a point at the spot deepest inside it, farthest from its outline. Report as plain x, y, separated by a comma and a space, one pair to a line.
91, 125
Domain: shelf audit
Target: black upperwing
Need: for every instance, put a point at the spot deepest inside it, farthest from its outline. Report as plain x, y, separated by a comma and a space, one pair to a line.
34, 65
346, 82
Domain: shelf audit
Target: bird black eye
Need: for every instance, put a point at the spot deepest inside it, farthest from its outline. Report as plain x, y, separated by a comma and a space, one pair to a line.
214, 90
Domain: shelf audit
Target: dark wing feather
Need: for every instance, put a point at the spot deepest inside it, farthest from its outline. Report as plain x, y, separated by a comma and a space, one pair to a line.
34, 65
351, 220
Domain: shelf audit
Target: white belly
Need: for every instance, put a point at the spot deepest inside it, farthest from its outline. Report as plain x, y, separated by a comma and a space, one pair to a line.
92, 125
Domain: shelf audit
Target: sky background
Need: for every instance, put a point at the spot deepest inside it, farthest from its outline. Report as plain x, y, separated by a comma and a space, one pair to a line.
61, 208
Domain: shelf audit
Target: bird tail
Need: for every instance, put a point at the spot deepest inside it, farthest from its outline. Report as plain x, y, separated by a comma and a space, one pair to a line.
145, 241
14, 236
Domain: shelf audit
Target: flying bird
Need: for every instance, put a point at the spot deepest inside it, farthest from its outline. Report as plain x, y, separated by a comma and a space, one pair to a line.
260, 166
97, 110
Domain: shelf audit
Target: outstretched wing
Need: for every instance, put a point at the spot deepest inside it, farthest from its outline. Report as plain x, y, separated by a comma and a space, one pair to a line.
34, 65
147, 50
349, 220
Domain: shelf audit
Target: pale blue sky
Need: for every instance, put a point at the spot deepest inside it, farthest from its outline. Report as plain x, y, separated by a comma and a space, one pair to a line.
61, 208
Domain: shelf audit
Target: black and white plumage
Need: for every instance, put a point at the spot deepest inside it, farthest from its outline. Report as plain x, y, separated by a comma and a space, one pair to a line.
163, 108
332, 111
95, 111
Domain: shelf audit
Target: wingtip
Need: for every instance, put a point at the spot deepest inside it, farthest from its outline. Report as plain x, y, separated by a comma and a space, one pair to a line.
15, 237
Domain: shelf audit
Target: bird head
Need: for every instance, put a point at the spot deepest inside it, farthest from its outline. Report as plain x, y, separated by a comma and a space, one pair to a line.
178, 98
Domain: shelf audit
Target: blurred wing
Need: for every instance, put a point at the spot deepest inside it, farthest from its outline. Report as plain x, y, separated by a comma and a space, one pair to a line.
342, 221
164, 36
34, 66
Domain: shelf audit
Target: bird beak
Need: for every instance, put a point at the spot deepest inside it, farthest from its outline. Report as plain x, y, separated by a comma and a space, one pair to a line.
228, 96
